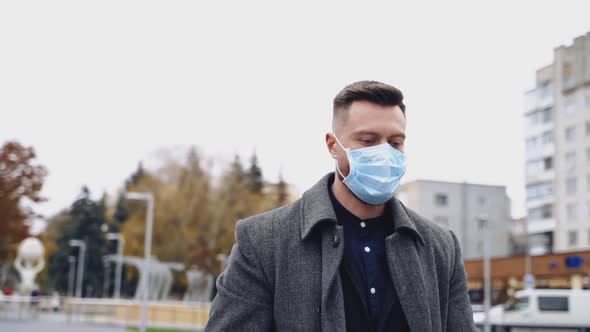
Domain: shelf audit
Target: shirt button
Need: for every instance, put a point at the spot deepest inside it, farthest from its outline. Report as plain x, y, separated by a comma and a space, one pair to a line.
372, 290
363, 224
367, 249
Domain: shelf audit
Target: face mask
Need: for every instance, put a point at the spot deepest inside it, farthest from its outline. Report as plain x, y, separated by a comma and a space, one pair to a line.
375, 172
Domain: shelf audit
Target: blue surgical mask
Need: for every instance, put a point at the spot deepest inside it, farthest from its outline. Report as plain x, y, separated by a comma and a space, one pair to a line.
375, 172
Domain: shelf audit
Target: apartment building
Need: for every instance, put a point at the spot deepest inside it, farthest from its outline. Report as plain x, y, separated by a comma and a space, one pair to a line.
557, 136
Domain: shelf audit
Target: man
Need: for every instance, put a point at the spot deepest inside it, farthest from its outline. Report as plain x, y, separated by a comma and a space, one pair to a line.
347, 255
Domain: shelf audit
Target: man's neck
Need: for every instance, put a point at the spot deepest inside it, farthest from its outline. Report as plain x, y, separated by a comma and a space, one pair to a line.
351, 203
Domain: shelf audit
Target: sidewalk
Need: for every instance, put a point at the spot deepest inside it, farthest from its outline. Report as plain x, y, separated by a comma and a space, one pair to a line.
52, 324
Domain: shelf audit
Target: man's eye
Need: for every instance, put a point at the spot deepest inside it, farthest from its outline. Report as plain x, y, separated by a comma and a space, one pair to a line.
366, 141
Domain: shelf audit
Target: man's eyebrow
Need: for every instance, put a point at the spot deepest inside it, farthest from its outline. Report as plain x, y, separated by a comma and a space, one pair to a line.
365, 132
372, 133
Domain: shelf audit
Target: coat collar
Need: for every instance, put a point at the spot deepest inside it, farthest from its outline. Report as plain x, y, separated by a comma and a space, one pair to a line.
317, 209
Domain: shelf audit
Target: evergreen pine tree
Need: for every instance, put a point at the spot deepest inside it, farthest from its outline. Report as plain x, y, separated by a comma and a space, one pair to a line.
255, 181
135, 177
87, 217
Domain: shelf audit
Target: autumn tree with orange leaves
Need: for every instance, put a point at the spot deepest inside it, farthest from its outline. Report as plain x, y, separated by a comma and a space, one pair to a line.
21, 180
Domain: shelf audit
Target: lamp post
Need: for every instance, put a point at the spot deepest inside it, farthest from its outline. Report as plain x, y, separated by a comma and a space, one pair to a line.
146, 196
107, 276
80, 273
529, 278
483, 221
120, 241
72, 261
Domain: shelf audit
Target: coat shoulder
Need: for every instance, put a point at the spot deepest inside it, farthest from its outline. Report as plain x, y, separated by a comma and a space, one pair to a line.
283, 219
257, 235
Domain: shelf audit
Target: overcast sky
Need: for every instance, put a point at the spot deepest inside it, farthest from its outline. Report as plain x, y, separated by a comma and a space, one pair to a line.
95, 87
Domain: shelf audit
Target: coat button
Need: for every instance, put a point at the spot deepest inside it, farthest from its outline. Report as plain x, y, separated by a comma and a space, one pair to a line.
335, 241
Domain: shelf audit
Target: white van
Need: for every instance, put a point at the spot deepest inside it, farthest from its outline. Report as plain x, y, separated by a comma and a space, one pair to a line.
545, 308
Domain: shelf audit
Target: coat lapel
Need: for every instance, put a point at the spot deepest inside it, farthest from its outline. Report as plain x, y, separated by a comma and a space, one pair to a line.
318, 216
406, 269
332, 307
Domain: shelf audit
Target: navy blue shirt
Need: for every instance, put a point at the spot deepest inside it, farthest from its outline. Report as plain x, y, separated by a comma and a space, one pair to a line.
364, 255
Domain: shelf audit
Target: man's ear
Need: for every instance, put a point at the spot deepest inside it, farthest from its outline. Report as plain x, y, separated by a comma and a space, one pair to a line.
331, 145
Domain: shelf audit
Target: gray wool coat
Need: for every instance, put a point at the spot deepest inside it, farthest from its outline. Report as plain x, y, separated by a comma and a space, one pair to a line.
282, 274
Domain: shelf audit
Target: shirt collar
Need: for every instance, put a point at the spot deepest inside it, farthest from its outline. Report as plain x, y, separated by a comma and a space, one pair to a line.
317, 209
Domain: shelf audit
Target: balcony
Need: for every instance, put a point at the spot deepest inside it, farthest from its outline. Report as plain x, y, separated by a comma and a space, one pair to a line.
538, 202
538, 152
541, 226
537, 129
543, 176
539, 98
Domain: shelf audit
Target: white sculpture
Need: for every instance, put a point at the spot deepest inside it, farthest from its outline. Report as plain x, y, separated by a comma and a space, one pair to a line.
200, 285
29, 262
159, 276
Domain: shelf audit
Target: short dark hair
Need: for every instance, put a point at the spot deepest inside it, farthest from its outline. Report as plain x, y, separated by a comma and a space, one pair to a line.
371, 91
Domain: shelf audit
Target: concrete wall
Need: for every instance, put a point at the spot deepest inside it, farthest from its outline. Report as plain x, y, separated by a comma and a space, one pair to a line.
465, 204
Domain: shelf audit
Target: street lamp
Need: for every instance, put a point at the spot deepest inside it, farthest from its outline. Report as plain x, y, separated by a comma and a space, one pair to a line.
72, 261
120, 242
529, 278
145, 196
80, 273
107, 276
483, 222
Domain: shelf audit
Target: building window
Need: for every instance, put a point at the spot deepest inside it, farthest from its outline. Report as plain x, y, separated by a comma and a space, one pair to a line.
533, 118
482, 201
587, 128
442, 220
538, 117
570, 161
547, 115
531, 143
570, 133
547, 211
441, 200
543, 212
571, 186
546, 137
570, 105
534, 167
572, 238
568, 75
545, 89
572, 211
540, 190
587, 98
548, 163
519, 304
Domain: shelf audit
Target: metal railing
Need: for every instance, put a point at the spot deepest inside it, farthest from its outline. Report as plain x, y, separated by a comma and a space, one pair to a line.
23, 307
168, 314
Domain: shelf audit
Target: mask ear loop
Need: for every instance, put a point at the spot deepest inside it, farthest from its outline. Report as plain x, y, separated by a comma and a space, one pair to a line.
345, 150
